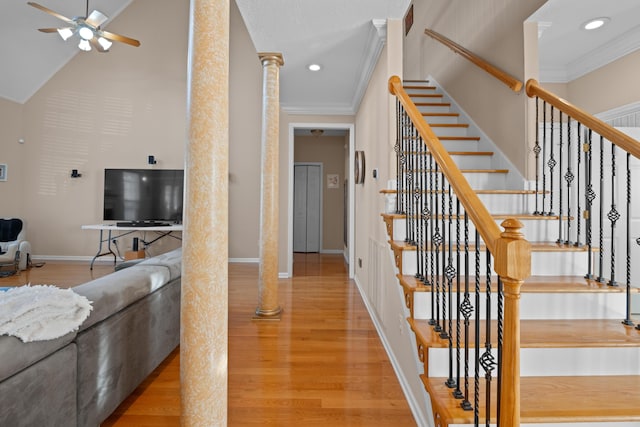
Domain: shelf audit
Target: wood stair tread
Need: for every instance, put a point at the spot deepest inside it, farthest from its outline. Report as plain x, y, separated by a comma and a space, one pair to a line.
535, 247
449, 125
459, 138
456, 153
465, 171
418, 87
425, 95
544, 333
441, 114
606, 398
432, 104
525, 217
531, 285
501, 192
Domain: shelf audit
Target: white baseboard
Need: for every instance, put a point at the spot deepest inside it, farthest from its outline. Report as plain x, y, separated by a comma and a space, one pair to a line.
244, 260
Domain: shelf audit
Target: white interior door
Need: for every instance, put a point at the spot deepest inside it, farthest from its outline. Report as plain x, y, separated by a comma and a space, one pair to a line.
307, 186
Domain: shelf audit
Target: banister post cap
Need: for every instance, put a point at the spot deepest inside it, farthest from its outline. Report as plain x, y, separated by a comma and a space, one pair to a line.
513, 252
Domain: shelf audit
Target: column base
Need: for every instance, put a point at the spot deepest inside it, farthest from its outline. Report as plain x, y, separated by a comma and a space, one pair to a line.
274, 314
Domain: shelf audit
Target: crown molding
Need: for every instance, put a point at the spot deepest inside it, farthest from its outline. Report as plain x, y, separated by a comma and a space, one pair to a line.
376, 39
617, 48
318, 109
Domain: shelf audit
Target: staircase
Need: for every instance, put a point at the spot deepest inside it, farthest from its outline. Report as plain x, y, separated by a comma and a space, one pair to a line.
579, 364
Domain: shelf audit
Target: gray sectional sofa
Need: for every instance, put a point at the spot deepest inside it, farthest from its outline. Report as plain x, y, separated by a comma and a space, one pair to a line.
81, 378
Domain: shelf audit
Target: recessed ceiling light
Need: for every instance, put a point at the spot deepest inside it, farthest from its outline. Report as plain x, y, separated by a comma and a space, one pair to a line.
314, 67
595, 23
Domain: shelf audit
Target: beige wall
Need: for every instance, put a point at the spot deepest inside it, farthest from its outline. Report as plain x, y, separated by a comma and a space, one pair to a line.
611, 86
330, 151
12, 154
493, 30
112, 111
245, 118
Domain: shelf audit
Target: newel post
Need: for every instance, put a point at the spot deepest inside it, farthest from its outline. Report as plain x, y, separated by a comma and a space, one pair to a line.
513, 265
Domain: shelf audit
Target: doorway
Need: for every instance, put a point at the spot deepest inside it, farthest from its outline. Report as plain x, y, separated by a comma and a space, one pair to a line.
349, 219
307, 207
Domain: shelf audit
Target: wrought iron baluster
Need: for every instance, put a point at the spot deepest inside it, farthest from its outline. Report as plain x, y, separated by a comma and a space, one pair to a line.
397, 149
544, 150
458, 393
627, 320
560, 209
569, 178
450, 273
613, 216
437, 240
443, 261
601, 247
579, 208
418, 202
487, 360
552, 164
590, 195
467, 311
536, 150
432, 235
476, 398
409, 238
500, 316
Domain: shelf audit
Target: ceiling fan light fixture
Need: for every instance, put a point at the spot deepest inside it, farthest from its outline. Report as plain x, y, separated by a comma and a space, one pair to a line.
84, 45
106, 44
86, 33
65, 33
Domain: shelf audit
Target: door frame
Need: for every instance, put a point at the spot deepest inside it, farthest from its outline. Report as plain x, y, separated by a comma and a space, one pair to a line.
321, 166
350, 255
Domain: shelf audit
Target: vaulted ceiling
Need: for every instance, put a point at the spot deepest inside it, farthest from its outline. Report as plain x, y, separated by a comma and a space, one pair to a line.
344, 37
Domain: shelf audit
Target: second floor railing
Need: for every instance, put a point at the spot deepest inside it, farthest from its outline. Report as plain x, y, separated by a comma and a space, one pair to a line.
584, 171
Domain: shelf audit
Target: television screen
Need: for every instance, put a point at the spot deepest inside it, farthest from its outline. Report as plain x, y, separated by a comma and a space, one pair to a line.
143, 194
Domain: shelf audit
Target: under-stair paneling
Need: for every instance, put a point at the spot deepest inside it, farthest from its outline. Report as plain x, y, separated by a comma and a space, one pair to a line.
386, 305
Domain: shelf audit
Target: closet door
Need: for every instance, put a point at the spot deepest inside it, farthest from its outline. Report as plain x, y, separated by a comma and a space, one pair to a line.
306, 208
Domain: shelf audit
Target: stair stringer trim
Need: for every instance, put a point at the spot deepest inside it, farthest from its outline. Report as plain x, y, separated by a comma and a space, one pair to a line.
515, 180
414, 391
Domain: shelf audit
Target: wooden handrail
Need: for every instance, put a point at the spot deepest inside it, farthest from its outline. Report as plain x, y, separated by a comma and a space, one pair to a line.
510, 81
610, 133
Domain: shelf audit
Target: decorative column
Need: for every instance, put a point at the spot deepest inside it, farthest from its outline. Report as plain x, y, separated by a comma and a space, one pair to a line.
268, 308
204, 328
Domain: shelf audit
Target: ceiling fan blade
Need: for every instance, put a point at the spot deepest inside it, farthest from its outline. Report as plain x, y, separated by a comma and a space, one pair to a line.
97, 46
119, 38
96, 18
51, 12
48, 30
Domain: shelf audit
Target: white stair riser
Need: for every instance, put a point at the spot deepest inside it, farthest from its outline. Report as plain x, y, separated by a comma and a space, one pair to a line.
441, 119
460, 145
542, 263
550, 361
560, 306
534, 230
433, 108
450, 131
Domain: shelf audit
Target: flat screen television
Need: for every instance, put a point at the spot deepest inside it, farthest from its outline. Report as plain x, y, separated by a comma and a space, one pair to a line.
143, 195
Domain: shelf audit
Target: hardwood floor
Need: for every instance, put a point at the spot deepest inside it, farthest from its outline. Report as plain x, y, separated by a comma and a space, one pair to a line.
322, 365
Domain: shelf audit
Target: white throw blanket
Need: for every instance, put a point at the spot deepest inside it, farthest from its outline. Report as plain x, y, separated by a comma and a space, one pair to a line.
41, 312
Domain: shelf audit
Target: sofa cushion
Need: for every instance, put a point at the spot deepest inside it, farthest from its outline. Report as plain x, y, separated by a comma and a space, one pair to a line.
111, 293
171, 260
17, 355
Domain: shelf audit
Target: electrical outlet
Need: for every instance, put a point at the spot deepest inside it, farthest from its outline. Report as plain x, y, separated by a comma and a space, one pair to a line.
401, 323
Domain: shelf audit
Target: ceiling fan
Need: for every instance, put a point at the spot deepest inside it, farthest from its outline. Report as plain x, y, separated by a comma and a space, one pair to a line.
88, 29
